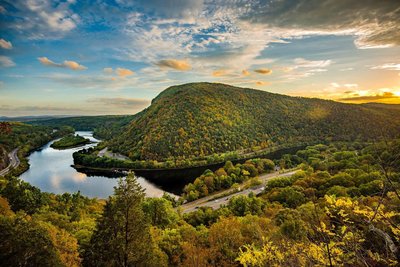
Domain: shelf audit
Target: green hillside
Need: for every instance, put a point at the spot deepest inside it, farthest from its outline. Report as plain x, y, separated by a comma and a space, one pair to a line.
200, 119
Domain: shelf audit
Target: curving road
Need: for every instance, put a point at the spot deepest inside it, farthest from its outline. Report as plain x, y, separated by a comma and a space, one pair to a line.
14, 162
215, 201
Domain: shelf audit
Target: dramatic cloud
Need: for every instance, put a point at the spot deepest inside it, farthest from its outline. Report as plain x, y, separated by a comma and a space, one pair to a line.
388, 66
66, 64
375, 24
181, 65
263, 71
42, 19
6, 62
5, 44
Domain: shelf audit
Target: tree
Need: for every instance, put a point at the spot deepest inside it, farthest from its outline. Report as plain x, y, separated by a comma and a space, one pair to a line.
26, 242
160, 212
122, 236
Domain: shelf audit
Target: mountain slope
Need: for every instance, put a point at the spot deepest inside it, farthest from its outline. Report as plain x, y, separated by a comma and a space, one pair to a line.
199, 119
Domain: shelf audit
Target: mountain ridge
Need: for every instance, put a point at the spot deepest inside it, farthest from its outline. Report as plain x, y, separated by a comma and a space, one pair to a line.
201, 119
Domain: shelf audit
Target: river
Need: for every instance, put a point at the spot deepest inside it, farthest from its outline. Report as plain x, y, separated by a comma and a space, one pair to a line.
51, 171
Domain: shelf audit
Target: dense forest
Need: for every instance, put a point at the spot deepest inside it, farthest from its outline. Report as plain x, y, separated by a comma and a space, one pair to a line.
70, 141
193, 121
341, 208
26, 138
228, 176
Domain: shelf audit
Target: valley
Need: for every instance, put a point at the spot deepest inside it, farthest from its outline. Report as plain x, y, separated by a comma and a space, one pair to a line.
296, 158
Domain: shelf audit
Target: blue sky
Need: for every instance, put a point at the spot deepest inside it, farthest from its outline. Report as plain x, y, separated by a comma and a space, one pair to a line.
113, 57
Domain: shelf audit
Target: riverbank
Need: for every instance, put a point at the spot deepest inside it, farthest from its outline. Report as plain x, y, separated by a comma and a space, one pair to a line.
70, 141
173, 179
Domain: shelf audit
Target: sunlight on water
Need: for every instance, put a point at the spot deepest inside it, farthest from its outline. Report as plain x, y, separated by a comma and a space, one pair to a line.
51, 171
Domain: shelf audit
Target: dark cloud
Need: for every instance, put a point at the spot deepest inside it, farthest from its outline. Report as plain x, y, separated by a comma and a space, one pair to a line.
181, 65
375, 22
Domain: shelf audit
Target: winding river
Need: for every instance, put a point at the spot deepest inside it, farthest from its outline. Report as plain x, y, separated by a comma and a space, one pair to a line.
51, 171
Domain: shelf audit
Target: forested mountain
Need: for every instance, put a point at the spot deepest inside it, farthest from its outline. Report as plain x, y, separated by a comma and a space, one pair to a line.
201, 119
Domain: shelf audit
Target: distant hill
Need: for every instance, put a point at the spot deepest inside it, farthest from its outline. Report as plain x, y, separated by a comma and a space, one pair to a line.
30, 118
199, 119
104, 127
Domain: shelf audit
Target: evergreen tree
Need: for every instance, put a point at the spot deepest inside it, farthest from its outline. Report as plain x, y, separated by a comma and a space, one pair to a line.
122, 236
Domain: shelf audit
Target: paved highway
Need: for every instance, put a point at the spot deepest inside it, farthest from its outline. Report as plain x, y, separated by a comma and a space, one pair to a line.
14, 162
215, 202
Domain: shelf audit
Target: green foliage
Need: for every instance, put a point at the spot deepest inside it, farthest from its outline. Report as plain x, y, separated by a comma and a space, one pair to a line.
160, 212
23, 196
344, 214
122, 236
226, 177
243, 205
195, 120
70, 141
26, 138
27, 241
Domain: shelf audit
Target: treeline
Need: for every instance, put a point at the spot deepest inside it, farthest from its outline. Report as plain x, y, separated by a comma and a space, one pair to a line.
43, 229
27, 138
226, 177
104, 127
88, 158
344, 211
195, 120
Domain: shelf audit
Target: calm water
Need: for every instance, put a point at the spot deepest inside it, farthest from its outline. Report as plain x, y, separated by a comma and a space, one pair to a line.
51, 171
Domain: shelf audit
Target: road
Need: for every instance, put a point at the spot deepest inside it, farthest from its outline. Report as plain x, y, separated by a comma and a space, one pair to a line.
14, 162
216, 200
106, 153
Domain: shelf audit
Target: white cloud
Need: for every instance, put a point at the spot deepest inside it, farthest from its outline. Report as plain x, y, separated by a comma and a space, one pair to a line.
42, 19
6, 62
387, 66
66, 64
5, 44
303, 63
108, 70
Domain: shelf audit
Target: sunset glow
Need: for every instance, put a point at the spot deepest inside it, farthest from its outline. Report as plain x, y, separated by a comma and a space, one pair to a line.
69, 57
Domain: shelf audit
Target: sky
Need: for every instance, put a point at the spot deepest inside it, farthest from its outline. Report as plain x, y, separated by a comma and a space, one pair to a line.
112, 57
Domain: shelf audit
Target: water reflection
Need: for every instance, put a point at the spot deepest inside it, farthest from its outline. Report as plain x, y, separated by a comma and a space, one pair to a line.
51, 171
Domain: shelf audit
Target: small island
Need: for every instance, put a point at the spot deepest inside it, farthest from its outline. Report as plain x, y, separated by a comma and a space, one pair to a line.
70, 141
